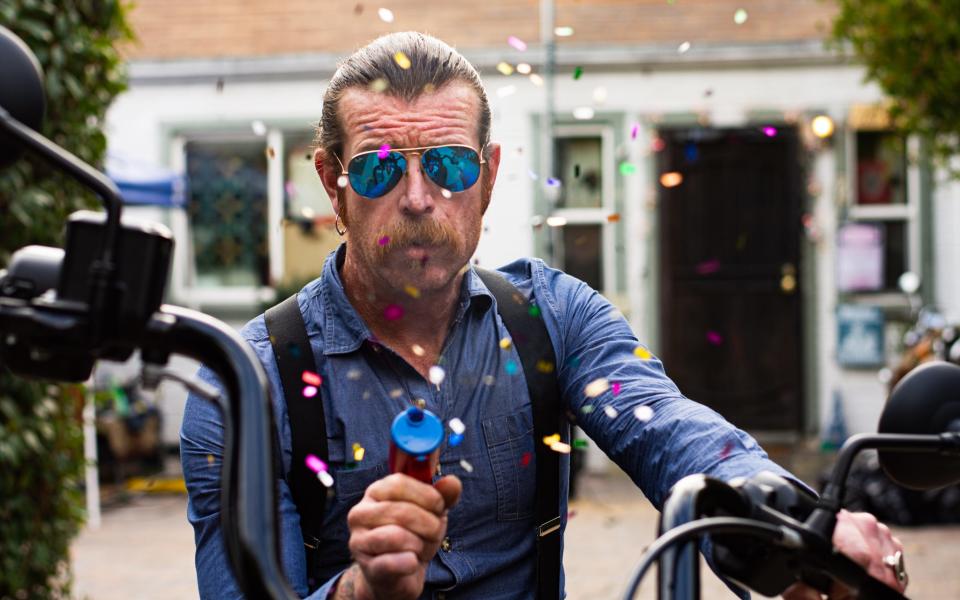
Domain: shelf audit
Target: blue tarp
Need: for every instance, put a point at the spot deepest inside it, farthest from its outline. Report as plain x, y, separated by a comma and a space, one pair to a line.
146, 184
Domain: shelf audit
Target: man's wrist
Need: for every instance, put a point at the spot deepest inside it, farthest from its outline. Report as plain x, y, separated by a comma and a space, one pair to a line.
352, 585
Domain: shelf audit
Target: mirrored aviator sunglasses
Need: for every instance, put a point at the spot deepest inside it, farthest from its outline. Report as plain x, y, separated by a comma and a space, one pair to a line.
373, 174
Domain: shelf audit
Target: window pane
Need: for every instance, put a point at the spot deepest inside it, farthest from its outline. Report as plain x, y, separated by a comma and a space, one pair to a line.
895, 254
580, 162
582, 253
881, 168
305, 196
227, 184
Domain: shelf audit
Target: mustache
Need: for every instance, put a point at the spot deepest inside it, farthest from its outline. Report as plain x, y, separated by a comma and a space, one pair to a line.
421, 232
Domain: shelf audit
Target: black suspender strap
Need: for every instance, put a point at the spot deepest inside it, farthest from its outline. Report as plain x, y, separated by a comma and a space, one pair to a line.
532, 341
288, 336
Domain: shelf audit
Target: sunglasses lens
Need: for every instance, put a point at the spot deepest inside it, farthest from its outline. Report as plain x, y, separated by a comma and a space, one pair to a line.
455, 168
372, 176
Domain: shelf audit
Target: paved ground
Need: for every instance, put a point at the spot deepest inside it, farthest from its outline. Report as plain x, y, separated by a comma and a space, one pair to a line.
144, 550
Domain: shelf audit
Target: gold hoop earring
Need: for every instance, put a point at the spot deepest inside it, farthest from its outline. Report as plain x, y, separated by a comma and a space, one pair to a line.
339, 226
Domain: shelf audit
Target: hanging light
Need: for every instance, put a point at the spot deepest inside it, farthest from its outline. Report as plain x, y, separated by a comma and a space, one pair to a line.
822, 126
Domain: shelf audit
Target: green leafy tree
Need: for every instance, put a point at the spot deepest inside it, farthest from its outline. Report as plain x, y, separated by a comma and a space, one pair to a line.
41, 459
911, 48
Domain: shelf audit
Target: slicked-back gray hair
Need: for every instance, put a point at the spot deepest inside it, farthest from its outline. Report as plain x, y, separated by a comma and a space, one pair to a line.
434, 64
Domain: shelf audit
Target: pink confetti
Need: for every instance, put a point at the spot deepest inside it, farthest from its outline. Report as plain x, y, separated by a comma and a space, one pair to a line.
311, 378
634, 131
657, 144
769, 131
309, 391
726, 450
384, 240
615, 387
517, 43
383, 151
708, 266
714, 338
315, 464
525, 459
393, 312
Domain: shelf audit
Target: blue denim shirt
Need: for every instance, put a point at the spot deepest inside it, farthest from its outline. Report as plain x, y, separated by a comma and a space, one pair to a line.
491, 529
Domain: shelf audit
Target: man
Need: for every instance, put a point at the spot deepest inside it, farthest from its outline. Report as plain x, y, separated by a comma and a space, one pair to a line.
406, 158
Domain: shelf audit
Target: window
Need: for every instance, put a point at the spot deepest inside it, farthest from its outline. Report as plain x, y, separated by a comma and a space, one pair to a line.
580, 225
305, 198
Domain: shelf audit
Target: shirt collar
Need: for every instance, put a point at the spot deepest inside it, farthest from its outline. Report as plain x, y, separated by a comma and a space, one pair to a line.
343, 329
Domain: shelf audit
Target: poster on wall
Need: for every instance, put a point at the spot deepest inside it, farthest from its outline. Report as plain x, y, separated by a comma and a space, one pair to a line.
860, 336
860, 249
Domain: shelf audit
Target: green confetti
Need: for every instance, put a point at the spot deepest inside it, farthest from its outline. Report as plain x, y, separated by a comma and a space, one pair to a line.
534, 310
627, 168
577, 72
579, 443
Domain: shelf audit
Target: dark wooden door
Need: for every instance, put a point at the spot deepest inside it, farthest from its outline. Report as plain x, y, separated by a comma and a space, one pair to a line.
730, 250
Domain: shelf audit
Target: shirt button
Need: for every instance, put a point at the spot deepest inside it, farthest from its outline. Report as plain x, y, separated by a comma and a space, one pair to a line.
445, 544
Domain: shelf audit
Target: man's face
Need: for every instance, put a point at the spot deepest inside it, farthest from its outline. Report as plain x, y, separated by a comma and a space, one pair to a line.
416, 234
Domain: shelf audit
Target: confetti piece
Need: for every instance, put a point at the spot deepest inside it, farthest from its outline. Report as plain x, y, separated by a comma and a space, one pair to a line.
551, 439
727, 448
418, 349
516, 43
210, 459
578, 443
314, 463
311, 378
657, 144
627, 168
412, 291
379, 85
545, 366
384, 241
402, 60
671, 179
563, 31
466, 466
342, 181
596, 387
525, 459
446, 193
643, 413
615, 387
571, 514
553, 182
384, 151
714, 338
770, 131
396, 393
708, 266
560, 447
259, 128
573, 361
613, 218
634, 131
577, 73
456, 425
534, 310
683, 48
524, 68
358, 452
507, 90
386, 15
489, 379
642, 353
393, 312
740, 17
610, 411
455, 440
505, 68
510, 367
505, 343
586, 409
353, 374
536, 79
309, 391
436, 374
325, 478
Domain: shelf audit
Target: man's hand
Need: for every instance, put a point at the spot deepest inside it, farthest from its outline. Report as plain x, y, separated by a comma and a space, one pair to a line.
867, 542
395, 530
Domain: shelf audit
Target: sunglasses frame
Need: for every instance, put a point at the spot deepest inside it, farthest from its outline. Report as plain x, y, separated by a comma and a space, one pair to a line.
419, 150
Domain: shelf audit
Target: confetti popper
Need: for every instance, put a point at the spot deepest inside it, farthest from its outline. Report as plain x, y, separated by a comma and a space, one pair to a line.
415, 438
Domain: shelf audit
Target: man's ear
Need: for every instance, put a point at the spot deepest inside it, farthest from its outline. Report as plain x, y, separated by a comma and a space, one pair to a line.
328, 177
493, 166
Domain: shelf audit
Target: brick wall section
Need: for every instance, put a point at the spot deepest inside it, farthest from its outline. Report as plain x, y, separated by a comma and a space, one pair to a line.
181, 29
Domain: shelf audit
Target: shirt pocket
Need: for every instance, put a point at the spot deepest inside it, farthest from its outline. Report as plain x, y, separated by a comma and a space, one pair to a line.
348, 486
510, 442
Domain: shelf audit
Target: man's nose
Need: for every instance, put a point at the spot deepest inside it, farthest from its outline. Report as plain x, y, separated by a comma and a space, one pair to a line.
417, 197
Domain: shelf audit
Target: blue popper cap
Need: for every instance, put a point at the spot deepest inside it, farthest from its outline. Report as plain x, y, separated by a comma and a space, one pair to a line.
416, 431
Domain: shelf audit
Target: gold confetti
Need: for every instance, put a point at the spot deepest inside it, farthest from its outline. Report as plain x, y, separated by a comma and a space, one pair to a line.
412, 291
560, 447
550, 440
642, 353
210, 459
505, 68
545, 366
671, 179
358, 452
401, 59
596, 387
505, 343
379, 85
